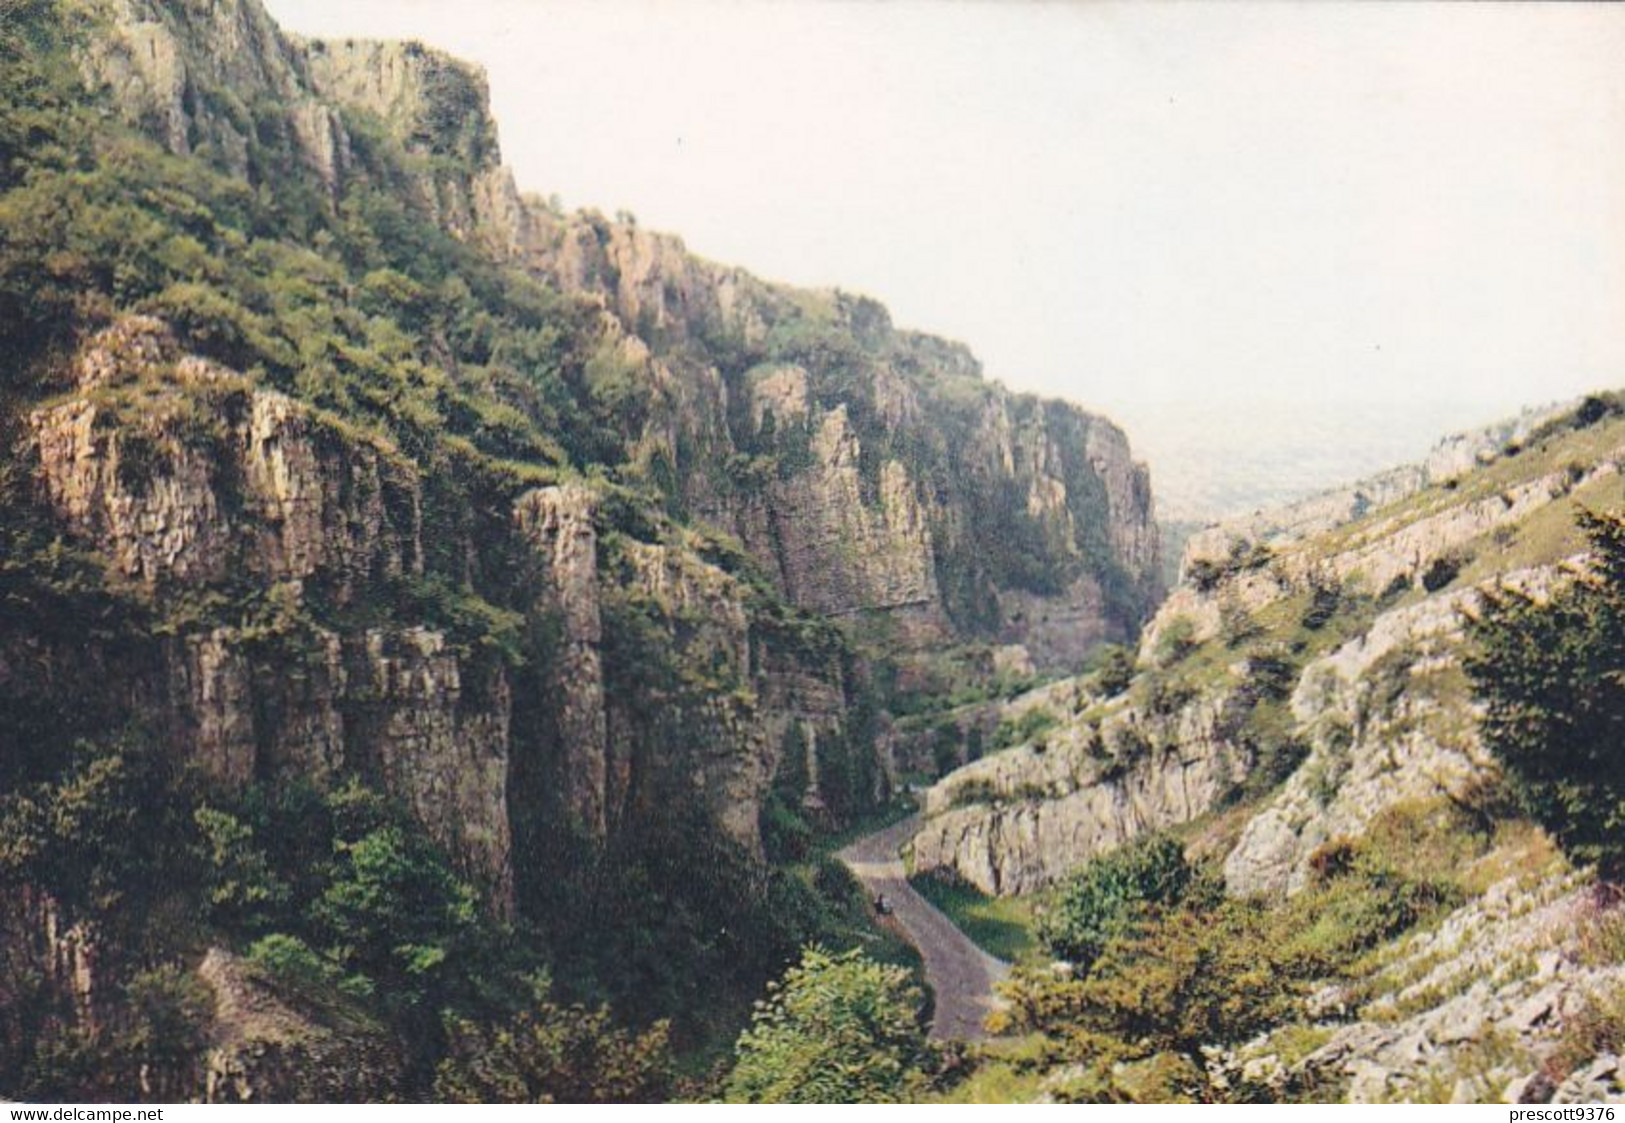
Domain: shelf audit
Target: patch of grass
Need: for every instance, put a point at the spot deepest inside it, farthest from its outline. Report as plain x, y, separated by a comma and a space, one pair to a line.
1000, 926
993, 1082
1598, 1027
879, 819
1542, 457
1548, 535
1004, 1071
1520, 849
1602, 938
1478, 1062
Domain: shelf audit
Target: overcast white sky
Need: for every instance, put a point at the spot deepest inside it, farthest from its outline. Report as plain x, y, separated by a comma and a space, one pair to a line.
1287, 240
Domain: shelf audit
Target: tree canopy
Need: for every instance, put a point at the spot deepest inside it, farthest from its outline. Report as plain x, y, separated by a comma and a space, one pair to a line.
1551, 677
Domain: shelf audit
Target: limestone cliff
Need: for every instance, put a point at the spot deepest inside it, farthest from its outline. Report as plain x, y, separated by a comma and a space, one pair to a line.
186, 477
333, 467
891, 478
1315, 681
1016, 821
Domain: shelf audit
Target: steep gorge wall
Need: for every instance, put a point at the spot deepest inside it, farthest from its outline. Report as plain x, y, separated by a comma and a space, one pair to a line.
911, 479
1338, 648
871, 475
869, 469
189, 480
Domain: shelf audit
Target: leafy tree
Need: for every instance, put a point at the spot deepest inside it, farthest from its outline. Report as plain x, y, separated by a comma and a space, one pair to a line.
555, 1054
151, 1047
1194, 977
288, 959
396, 912
1114, 670
1110, 894
169, 1012
243, 891
839, 1028
1210, 971
111, 828
1551, 678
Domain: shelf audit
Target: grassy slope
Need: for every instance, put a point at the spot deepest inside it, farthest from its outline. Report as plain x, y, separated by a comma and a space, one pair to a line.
1000, 926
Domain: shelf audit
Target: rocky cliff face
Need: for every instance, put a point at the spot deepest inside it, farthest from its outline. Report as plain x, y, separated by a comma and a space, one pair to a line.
1472, 1010
186, 477
336, 459
1451, 459
870, 470
1329, 659
1019, 820
1299, 709
720, 682
890, 477
871, 474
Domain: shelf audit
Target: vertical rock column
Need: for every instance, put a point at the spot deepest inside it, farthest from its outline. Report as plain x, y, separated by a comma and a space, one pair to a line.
558, 522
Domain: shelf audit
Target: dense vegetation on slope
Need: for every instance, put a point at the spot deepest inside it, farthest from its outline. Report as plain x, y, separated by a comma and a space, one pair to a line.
1349, 829
483, 383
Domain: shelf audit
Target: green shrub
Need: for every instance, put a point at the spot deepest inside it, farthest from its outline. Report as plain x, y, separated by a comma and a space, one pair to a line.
1325, 598
243, 891
1442, 570
111, 829
289, 960
1270, 676
1110, 894
395, 912
1114, 669
1177, 640
1024, 729
1598, 1027
836, 1029
1204, 574
1199, 970
169, 1013
555, 1054
786, 836
1551, 678
1191, 977
978, 789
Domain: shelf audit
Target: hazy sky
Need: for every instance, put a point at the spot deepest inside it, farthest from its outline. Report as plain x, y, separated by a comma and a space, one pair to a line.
1310, 235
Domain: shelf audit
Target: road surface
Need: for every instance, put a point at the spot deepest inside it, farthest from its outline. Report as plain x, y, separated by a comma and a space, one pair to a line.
961, 974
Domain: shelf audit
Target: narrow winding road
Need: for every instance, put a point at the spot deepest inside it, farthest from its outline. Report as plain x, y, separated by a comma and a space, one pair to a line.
960, 974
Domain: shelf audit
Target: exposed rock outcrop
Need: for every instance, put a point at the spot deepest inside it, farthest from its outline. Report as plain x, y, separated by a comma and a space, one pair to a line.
1471, 1010
1020, 820
906, 483
185, 477
1379, 718
264, 1048
1389, 722
1452, 458
181, 471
